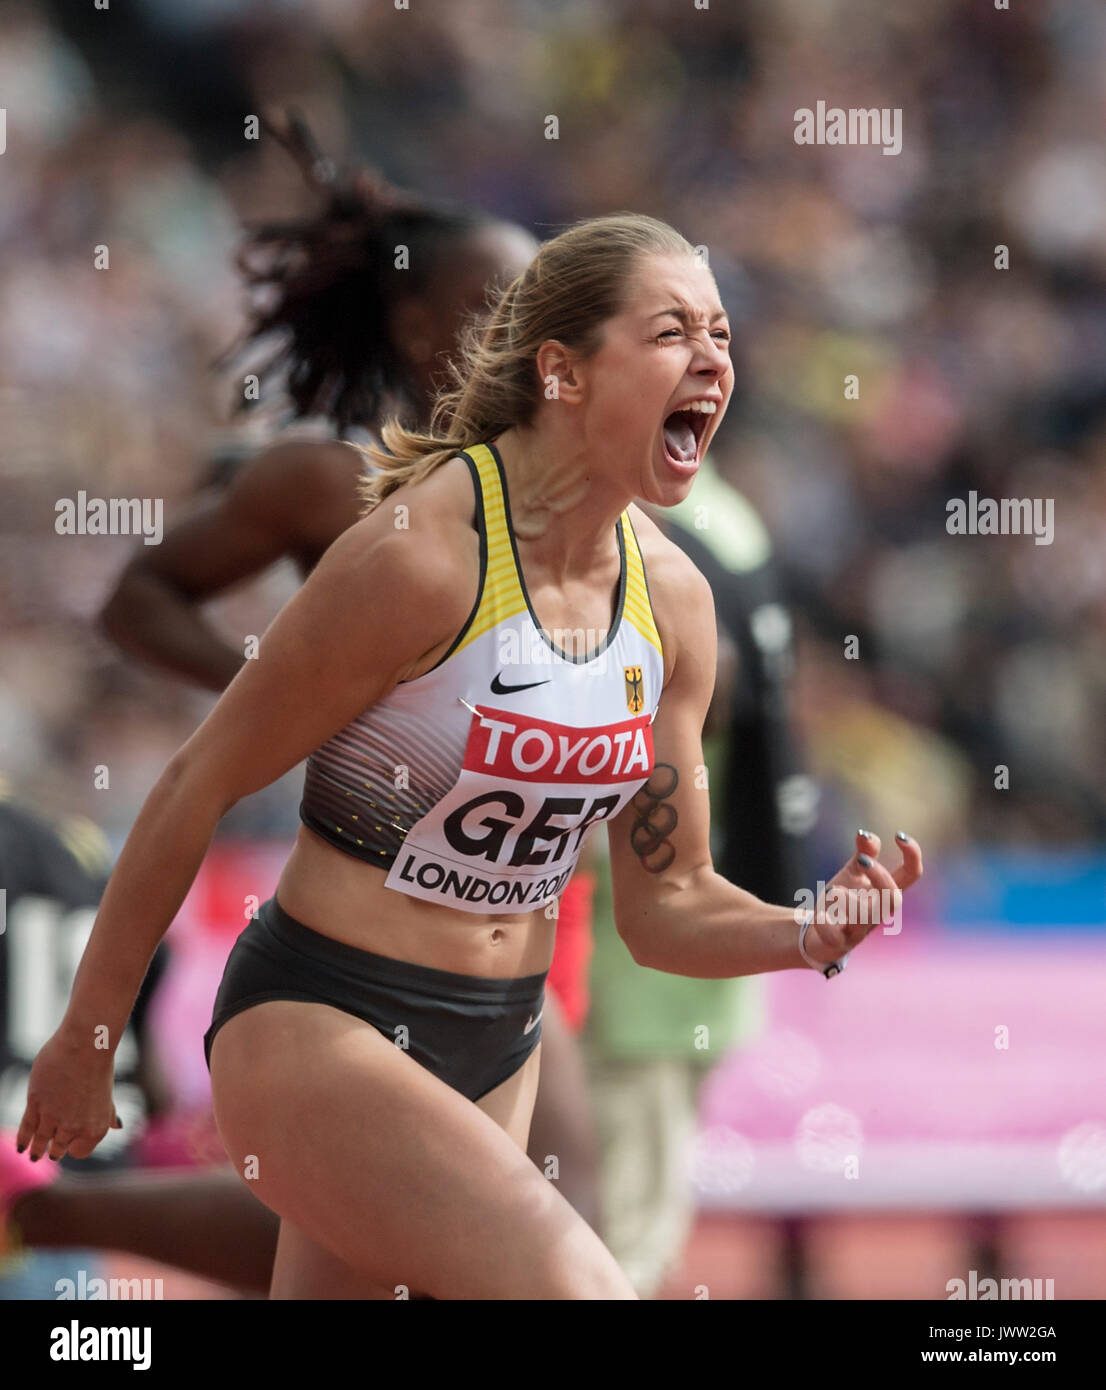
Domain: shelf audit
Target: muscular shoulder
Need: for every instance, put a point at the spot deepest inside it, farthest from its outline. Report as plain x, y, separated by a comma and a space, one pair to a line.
444, 501
683, 604
417, 556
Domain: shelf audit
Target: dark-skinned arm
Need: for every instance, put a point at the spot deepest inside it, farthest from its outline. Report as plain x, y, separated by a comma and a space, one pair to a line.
291, 501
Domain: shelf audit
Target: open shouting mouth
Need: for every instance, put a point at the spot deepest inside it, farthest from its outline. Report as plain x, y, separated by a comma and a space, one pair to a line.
683, 435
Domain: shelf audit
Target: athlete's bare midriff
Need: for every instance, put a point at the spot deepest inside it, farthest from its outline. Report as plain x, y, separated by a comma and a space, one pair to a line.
342, 897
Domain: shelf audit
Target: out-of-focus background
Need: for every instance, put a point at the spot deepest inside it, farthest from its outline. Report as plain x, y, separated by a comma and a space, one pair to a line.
972, 711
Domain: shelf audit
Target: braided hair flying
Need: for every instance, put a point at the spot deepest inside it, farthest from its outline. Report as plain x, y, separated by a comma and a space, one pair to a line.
326, 284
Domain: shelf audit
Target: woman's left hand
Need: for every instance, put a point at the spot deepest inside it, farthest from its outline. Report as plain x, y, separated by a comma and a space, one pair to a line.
863, 896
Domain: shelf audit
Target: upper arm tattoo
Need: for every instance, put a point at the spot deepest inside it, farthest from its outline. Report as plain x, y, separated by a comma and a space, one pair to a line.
655, 819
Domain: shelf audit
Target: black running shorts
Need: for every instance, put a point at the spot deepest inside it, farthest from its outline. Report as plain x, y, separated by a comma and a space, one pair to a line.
470, 1031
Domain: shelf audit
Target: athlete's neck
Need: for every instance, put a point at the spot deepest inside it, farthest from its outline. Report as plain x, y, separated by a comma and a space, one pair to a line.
560, 503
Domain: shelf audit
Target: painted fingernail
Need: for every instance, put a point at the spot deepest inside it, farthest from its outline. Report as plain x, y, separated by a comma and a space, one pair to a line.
864, 861
35, 1158
864, 835
53, 1158
902, 835
20, 1148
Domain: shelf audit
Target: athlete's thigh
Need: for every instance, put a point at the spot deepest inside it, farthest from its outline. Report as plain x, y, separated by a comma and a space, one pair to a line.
304, 1269
370, 1155
511, 1104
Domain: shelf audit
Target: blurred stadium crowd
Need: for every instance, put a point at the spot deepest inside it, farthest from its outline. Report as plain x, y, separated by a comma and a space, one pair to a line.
974, 651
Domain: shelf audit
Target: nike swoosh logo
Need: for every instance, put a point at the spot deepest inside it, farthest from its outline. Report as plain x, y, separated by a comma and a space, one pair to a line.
498, 688
532, 1024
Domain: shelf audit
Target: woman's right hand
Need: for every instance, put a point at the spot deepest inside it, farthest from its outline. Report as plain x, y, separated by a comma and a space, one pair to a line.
69, 1097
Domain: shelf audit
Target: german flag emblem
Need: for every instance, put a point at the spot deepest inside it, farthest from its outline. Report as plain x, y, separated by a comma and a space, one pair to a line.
635, 693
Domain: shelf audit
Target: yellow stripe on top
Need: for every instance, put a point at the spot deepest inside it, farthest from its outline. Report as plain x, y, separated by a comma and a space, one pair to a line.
502, 597
638, 611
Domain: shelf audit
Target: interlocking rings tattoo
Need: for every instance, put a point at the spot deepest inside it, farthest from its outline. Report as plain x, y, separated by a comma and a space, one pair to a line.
656, 819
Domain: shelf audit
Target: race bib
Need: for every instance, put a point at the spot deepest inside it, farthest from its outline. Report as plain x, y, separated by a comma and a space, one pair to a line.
507, 836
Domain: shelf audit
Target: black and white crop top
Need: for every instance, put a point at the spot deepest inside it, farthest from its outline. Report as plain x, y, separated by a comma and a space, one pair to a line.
476, 784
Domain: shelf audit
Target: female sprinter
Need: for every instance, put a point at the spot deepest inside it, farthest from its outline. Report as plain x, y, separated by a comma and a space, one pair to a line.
354, 335
293, 500
374, 1048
